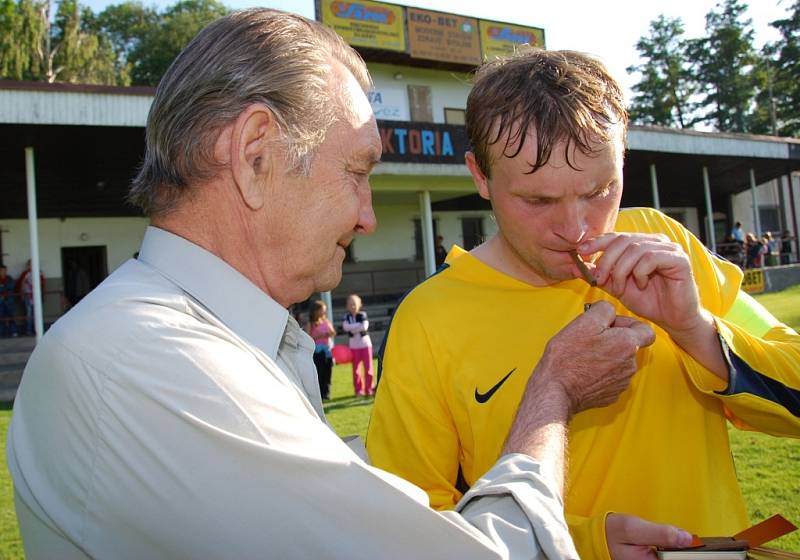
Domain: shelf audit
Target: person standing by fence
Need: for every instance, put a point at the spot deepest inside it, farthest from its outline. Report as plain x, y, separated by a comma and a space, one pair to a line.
356, 325
322, 331
25, 290
8, 323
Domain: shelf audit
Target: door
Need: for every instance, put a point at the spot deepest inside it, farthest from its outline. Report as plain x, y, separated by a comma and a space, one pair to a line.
82, 269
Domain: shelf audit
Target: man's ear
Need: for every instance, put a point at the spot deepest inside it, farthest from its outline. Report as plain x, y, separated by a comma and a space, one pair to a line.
253, 137
481, 181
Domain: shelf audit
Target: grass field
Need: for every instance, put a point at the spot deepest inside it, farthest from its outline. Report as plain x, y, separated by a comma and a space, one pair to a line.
768, 468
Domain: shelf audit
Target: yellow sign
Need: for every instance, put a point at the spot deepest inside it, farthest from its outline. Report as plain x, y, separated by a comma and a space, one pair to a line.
446, 37
753, 281
366, 24
500, 39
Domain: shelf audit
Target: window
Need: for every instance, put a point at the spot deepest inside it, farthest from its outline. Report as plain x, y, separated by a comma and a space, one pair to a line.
419, 99
770, 221
472, 232
454, 116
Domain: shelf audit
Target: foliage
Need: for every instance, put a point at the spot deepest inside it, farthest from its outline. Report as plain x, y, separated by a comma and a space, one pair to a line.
781, 69
720, 80
35, 47
124, 44
664, 92
159, 44
724, 62
121, 26
23, 31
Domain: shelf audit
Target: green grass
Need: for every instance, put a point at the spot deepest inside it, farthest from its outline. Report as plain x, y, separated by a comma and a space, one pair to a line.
10, 542
768, 468
348, 414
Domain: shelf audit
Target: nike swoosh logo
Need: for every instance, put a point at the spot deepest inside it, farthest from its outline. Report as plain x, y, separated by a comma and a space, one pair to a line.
483, 397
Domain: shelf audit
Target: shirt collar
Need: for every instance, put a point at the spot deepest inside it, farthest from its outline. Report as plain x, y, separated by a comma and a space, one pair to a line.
236, 301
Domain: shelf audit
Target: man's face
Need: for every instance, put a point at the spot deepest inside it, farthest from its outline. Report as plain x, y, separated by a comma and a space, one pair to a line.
2, 273
543, 215
314, 218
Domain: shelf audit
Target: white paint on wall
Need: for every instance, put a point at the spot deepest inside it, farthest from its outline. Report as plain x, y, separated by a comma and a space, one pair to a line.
120, 236
767, 195
389, 103
448, 89
394, 238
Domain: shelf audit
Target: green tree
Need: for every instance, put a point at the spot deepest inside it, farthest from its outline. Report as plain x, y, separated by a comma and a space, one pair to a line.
79, 55
34, 47
724, 67
160, 44
665, 88
782, 75
24, 28
123, 25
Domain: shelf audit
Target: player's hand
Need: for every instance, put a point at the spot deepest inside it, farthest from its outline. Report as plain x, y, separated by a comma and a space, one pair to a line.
594, 357
650, 275
632, 538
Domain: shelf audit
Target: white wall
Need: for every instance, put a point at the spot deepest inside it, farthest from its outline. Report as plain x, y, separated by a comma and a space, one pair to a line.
767, 195
394, 238
687, 215
448, 89
121, 236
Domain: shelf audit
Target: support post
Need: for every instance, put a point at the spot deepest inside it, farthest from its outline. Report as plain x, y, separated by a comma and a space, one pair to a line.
754, 194
654, 186
427, 232
712, 241
33, 227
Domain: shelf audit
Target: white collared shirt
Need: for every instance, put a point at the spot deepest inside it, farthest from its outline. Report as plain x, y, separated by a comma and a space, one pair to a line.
175, 413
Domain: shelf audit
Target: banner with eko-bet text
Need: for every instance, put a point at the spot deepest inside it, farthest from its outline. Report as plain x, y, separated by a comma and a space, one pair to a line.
366, 24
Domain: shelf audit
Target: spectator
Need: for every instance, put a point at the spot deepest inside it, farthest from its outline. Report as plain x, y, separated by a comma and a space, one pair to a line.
738, 233
25, 289
755, 250
322, 331
772, 249
786, 247
8, 321
440, 251
356, 325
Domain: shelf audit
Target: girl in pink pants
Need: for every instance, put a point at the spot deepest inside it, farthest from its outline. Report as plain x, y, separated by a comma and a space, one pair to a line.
356, 325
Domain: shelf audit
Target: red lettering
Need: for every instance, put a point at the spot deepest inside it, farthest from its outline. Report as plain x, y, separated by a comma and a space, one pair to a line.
414, 142
386, 140
437, 146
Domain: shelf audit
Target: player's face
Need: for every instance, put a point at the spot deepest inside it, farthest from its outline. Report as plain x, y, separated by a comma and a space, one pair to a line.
543, 215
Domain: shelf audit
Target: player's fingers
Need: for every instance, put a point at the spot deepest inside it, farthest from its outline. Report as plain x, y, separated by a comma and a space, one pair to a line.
635, 530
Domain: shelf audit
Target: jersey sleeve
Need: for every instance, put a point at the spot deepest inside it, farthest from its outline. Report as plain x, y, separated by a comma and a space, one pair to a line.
589, 535
411, 432
763, 355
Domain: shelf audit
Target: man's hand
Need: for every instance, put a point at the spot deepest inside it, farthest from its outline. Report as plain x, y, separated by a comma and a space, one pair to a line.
650, 275
594, 357
633, 538
587, 364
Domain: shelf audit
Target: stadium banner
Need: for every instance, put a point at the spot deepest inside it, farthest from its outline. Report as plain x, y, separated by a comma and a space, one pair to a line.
753, 281
443, 37
500, 39
417, 142
366, 24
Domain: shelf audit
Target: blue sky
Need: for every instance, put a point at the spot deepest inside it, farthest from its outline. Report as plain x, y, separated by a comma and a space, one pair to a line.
607, 29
